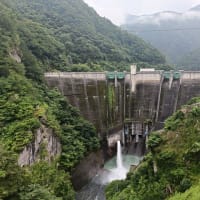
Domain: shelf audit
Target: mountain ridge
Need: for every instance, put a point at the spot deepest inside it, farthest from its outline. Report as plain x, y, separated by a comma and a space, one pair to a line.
175, 34
165, 15
85, 37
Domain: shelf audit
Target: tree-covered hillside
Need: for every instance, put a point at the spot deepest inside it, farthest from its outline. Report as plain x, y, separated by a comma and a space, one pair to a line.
190, 61
38, 36
172, 164
63, 32
26, 104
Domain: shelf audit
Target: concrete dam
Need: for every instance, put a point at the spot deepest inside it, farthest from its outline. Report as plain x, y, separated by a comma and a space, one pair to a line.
124, 105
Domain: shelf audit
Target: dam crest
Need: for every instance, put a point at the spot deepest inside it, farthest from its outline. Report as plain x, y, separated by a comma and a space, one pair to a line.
126, 105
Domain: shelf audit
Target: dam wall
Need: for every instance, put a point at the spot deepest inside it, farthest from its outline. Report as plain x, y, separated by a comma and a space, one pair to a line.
100, 100
126, 103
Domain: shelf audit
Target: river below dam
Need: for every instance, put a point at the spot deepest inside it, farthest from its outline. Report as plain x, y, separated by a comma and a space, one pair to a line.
114, 169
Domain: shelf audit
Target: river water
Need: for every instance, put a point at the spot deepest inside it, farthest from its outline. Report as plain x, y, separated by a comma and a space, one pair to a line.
114, 169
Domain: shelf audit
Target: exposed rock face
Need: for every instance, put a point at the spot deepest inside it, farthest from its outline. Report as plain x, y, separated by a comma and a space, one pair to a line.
87, 169
45, 146
15, 55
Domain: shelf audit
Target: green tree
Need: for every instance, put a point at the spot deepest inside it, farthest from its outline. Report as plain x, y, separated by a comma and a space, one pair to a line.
11, 175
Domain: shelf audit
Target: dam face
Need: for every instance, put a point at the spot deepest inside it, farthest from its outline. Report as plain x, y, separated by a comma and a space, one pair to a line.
132, 103
99, 99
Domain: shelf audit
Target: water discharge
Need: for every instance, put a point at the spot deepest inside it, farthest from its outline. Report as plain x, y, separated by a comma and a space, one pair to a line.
120, 171
119, 155
114, 169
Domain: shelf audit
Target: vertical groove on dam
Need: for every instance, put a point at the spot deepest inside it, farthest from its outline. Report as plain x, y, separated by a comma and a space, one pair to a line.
111, 102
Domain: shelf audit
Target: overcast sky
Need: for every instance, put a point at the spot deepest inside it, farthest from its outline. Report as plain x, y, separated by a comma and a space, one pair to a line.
116, 10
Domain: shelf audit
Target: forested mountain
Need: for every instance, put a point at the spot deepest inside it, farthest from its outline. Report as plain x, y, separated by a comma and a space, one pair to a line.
38, 36
27, 105
191, 61
171, 166
63, 32
174, 34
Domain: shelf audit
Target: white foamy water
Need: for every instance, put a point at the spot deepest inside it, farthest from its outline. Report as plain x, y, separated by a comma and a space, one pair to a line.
118, 172
114, 169
119, 155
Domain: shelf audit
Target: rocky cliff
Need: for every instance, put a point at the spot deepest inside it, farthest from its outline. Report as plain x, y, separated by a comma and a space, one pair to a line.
45, 146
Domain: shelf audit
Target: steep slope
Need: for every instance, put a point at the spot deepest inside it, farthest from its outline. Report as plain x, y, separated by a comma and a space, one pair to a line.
74, 33
28, 108
30, 44
190, 61
172, 164
174, 34
192, 194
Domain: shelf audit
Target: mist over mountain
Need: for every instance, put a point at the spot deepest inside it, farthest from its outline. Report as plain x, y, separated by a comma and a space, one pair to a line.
175, 34
196, 8
192, 60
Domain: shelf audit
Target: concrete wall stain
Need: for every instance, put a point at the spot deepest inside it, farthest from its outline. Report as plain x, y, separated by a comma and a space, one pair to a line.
139, 97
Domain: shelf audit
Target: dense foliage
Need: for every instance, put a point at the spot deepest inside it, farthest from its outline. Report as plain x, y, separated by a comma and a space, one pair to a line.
191, 194
172, 164
38, 36
41, 181
27, 104
66, 32
11, 176
23, 105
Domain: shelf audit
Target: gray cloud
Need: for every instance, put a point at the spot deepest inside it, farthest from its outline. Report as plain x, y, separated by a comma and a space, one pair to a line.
165, 16
116, 10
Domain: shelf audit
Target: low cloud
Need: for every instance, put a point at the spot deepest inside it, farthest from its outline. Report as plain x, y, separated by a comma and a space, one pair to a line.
191, 15
164, 16
116, 10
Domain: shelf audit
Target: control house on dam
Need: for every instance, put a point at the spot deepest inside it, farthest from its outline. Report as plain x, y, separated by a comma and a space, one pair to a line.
126, 106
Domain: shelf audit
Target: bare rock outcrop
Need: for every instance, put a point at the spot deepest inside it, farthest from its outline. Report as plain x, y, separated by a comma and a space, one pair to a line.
45, 146
15, 55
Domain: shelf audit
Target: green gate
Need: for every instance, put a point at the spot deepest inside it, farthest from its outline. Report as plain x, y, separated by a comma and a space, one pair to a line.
111, 75
166, 75
176, 75
118, 75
